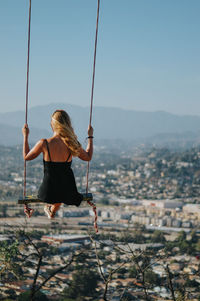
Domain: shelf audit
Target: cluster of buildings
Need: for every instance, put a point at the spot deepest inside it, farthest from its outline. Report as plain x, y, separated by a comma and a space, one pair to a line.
153, 174
181, 267
157, 189
170, 214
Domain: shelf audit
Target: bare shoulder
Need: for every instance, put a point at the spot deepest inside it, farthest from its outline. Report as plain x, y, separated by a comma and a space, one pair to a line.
41, 143
52, 139
36, 150
42, 140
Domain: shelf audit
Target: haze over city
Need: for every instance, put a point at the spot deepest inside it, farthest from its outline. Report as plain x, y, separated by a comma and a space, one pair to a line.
148, 54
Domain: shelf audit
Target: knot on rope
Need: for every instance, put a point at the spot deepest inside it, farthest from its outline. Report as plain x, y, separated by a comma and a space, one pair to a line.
28, 211
95, 215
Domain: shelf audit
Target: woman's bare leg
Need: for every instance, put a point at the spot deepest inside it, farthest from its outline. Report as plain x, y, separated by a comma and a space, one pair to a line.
51, 209
54, 208
47, 210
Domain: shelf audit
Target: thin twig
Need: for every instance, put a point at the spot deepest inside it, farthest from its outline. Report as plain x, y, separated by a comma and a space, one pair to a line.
108, 279
57, 271
35, 278
169, 277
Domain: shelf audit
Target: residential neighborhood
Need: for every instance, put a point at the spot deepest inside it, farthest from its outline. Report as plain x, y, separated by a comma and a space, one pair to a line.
149, 233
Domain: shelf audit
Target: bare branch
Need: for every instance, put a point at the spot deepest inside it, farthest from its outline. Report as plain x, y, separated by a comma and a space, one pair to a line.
108, 279
169, 277
35, 278
58, 271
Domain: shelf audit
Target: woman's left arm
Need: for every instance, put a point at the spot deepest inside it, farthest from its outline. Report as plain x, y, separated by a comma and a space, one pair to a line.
35, 151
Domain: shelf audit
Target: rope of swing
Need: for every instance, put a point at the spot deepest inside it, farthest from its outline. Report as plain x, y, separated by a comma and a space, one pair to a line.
91, 110
28, 211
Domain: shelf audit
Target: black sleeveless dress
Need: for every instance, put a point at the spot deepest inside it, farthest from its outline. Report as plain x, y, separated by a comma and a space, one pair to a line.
59, 184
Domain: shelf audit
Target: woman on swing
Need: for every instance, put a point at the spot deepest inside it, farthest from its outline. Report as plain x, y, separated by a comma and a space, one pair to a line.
58, 184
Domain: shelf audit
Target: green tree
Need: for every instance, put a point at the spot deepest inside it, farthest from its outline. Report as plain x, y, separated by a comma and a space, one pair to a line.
11, 293
128, 297
198, 245
38, 297
151, 278
133, 272
84, 283
3, 210
158, 237
194, 237
181, 236
191, 283
9, 261
186, 247
181, 296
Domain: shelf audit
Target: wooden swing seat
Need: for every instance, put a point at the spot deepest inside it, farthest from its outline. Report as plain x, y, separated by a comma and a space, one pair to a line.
34, 199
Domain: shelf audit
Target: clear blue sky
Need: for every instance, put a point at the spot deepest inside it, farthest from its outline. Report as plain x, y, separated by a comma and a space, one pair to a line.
148, 54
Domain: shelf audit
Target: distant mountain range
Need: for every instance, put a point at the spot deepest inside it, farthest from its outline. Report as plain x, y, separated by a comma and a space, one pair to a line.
109, 124
11, 135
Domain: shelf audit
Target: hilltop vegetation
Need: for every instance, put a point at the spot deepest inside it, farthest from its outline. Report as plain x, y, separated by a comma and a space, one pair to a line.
106, 268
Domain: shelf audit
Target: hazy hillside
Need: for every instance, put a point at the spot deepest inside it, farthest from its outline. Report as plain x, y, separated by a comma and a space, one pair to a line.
109, 123
10, 135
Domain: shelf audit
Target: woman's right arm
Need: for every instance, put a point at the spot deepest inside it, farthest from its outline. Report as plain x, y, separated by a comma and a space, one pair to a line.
35, 151
86, 155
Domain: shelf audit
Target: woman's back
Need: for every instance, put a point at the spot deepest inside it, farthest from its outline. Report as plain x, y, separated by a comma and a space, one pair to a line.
58, 182
58, 185
58, 150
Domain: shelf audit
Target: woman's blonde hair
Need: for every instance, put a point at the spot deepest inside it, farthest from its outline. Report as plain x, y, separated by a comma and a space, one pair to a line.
61, 123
